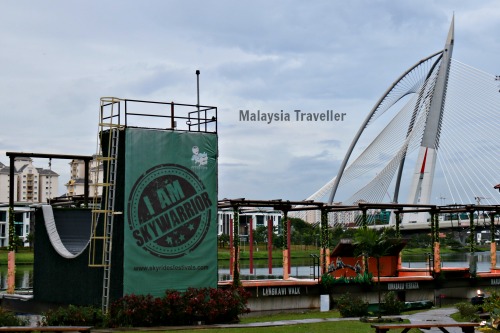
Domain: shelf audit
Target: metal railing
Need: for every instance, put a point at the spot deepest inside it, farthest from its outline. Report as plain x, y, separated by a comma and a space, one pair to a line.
164, 115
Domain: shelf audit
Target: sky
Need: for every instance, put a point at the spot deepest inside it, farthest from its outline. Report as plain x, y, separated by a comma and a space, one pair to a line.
58, 58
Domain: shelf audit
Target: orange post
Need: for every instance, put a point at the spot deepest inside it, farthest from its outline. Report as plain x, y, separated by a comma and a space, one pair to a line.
437, 258
11, 272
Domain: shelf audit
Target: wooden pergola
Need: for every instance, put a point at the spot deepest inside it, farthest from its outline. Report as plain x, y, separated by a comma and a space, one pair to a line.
287, 206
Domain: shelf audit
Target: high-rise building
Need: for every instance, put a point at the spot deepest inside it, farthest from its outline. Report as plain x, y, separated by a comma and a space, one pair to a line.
5, 183
76, 185
31, 184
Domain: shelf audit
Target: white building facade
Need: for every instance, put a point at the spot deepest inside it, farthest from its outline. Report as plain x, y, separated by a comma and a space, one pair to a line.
5, 183
22, 219
31, 184
259, 218
76, 185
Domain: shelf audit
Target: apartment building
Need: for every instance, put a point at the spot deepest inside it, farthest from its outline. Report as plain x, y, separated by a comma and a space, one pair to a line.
5, 183
31, 184
76, 185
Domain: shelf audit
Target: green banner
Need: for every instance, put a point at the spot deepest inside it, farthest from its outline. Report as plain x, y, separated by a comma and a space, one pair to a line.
171, 211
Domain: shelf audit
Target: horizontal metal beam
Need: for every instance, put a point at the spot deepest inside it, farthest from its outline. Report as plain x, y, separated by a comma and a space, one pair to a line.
56, 156
12, 156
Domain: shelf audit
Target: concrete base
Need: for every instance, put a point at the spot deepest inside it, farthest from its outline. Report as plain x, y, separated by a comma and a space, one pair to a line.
306, 302
324, 303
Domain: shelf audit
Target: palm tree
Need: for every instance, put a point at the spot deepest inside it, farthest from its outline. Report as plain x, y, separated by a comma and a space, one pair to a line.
370, 243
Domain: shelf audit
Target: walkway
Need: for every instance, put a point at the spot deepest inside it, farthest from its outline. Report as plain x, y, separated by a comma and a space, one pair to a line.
438, 314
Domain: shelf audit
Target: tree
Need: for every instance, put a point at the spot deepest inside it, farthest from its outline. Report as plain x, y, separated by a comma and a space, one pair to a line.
260, 234
299, 224
278, 241
30, 239
303, 233
420, 241
370, 243
223, 240
17, 243
338, 233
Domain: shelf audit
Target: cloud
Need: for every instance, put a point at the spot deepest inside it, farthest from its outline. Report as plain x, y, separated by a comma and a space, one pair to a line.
59, 58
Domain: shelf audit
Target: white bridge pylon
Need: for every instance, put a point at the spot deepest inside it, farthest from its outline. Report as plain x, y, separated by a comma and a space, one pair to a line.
438, 140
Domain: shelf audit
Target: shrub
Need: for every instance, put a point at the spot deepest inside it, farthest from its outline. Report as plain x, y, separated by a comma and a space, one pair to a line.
209, 305
492, 302
225, 305
392, 305
352, 306
7, 318
136, 310
73, 316
173, 308
328, 281
212, 305
468, 311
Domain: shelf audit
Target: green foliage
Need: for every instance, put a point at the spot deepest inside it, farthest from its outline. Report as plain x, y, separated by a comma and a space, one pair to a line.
17, 243
277, 241
223, 240
351, 306
72, 315
260, 234
208, 305
392, 305
338, 233
328, 281
491, 303
7, 318
136, 310
30, 239
371, 243
304, 233
300, 225
12, 230
451, 241
468, 311
420, 241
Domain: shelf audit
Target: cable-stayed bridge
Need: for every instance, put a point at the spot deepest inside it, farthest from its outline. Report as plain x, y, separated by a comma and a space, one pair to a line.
432, 138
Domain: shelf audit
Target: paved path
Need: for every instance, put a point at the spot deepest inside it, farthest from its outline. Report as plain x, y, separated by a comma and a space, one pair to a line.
438, 314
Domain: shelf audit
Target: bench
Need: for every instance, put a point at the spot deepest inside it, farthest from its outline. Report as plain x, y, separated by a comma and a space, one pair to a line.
466, 327
45, 328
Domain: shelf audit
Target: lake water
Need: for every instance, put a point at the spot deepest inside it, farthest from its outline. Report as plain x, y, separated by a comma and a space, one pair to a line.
300, 268
304, 267
23, 278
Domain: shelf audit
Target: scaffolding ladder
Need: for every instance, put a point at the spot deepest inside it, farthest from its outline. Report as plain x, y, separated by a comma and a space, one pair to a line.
103, 213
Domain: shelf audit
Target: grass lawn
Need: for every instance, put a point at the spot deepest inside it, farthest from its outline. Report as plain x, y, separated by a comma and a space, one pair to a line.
339, 326
23, 257
290, 316
352, 325
300, 251
349, 325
